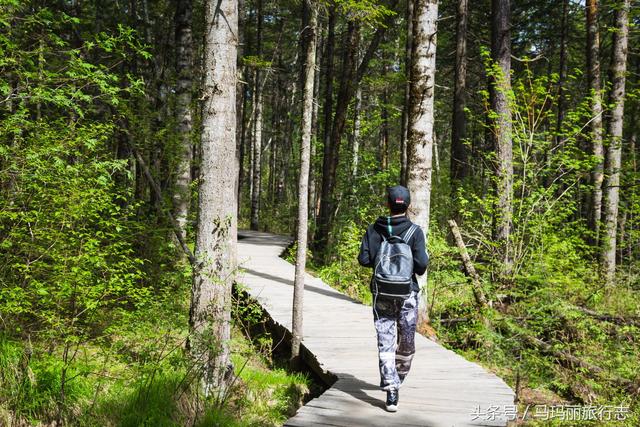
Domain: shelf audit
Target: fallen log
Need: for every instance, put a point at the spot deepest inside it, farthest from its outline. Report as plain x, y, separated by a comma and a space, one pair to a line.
450, 320
618, 320
478, 293
632, 387
476, 284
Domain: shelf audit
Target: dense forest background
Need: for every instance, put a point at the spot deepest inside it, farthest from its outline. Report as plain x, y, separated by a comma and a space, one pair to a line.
108, 144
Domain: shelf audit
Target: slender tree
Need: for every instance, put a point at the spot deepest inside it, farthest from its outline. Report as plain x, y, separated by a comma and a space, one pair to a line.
562, 75
500, 88
314, 129
352, 74
593, 75
303, 183
355, 136
184, 62
459, 160
384, 116
328, 96
404, 170
331, 151
421, 115
215, 253
618, 71
242, 101
257, 130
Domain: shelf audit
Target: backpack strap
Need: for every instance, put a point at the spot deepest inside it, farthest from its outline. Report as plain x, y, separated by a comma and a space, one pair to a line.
409, 233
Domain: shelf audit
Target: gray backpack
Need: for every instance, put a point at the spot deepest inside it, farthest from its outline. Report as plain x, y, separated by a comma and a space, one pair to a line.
393, 269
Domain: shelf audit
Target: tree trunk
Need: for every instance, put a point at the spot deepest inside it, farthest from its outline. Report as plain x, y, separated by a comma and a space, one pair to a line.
421, 118
500, 87
593, 75
331, 150
314, 130
257, 161
562, 77
355, 144
384, 115
328, 97
351, 77
184, 63
404, 170
213, 275
257, 134
633, 193
243, 93
242, 144
476, 282
614, 151
459, 156
303, 207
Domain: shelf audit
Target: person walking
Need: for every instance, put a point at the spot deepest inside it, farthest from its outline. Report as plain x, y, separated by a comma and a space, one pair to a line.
395, 248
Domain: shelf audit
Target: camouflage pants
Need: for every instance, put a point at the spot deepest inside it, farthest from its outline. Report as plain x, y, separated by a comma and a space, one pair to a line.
395, 321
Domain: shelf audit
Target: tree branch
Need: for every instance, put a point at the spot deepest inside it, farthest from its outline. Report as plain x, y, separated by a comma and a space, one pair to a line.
172, 220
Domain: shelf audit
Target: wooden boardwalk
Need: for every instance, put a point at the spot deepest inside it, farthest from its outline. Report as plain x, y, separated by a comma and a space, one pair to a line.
442, 389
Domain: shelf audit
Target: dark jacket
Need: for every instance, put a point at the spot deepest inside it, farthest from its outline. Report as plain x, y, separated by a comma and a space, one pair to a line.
373, 238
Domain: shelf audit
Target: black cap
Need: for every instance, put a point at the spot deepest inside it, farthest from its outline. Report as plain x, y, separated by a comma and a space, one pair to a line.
398, 197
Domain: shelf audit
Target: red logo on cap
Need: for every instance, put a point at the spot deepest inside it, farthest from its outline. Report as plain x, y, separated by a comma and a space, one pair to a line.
399, 201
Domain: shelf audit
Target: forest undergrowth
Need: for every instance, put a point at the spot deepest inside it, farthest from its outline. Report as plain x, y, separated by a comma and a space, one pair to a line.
536, 323
139, 375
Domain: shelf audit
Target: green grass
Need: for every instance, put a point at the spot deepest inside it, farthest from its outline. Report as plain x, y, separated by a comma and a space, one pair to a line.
139, 376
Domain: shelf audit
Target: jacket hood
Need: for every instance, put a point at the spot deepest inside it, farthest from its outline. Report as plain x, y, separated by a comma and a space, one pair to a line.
398, 225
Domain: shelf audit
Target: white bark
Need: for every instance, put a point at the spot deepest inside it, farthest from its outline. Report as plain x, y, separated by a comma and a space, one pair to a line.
421, 117
256, 157
217, 223
593, 71
356, 135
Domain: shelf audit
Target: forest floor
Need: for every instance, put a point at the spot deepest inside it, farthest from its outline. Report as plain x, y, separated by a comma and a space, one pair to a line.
138, 375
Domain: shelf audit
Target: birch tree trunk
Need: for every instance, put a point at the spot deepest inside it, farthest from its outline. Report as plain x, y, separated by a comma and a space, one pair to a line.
257, 159
593, 76
303, 183
614, 151
459, 160
184, 64
500, 88
256, 176
355, 144
213, 275
421, 118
